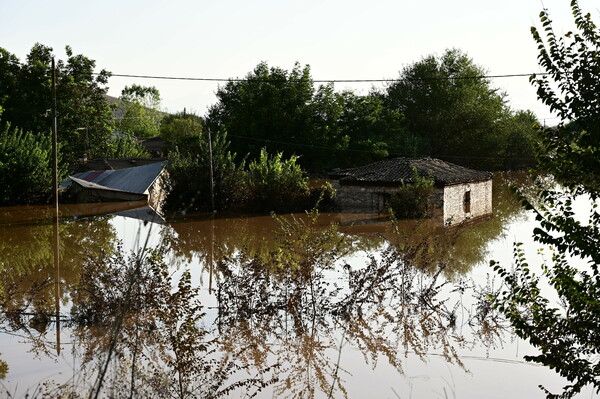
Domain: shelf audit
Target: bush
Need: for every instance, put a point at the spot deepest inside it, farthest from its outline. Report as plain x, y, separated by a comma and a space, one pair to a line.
25, 166
189, 176
275, 184
412, 200
322, 197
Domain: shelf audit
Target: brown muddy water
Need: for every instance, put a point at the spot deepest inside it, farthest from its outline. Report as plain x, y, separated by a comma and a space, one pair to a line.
295, 306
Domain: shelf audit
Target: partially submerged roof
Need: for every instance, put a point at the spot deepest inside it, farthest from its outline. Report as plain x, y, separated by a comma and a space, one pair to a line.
399, 171
131, 180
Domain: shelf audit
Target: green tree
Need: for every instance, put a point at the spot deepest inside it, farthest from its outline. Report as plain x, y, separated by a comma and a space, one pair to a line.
189, 174
519, 131
270, 104
373, 130
25, 173
281, 111
276, 184
567, 331
142, 114
84, 115
448, 110
182, 130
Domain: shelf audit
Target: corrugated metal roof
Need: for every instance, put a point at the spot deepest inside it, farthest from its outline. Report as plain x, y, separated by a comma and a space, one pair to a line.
132, 180
400, 171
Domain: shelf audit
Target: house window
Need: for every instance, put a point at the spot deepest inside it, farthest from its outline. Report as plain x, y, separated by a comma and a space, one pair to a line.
467, 202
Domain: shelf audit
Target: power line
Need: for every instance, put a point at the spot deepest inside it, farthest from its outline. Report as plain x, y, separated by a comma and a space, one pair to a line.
475, 77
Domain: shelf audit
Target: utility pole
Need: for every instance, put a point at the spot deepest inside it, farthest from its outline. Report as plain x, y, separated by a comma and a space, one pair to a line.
55, 224
54, 138
212, 183
212, 216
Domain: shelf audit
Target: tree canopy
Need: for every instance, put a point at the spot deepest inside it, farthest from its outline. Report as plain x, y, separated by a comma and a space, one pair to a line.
142, 114
84, 117
282, 111
451, 111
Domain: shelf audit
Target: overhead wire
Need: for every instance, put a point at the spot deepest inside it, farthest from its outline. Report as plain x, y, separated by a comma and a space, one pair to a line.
204, 79
383, 80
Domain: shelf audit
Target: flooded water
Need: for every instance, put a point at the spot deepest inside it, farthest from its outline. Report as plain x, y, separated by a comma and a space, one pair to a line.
301, 306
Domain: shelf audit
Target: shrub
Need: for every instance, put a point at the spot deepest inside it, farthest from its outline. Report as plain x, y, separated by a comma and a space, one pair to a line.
189, 176
25, 166
275, 184
412, 200
125, 146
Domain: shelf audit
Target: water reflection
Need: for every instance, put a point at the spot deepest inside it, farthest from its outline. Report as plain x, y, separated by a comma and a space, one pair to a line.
288, 304
288, 309
196, 238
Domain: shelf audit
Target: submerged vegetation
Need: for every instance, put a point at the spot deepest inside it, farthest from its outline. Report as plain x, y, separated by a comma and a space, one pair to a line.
284, 311
141, 327
279, 111
413, 200
25, 173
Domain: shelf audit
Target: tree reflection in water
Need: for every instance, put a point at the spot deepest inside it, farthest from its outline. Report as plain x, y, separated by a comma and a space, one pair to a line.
294, 309
286, 308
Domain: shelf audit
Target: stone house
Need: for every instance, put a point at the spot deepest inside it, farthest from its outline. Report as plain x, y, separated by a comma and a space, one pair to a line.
459, 193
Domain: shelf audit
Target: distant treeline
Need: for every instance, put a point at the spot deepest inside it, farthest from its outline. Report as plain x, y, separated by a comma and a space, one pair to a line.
435, 108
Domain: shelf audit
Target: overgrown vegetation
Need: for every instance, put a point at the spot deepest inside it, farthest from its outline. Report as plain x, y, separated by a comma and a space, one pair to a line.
275, 184
566, 331
435, 108
269, 183
125, 146
25, 166
141, 114
189, 175
413, 200
84, 115
182, 131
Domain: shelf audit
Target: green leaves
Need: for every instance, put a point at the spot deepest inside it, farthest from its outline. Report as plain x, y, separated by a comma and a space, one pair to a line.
25, 171
568, 337
454, 115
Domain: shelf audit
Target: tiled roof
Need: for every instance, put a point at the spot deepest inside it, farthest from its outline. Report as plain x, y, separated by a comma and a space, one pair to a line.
400, 170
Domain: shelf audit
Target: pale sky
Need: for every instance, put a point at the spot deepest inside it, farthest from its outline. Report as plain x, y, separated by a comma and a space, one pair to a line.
339, 39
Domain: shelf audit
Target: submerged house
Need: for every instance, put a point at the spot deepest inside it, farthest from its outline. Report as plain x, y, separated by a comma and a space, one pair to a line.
140, 183
460, 193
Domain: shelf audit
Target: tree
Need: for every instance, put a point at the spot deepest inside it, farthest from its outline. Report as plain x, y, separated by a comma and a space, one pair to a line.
182, 130
281, 111
141, 111
84, 115
270, 107
25, 172
373, 130
276, 184
567, 331
449, 110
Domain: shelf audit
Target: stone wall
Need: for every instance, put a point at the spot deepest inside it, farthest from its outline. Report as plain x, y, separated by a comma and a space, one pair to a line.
372, 199
361, 199
460, 206
451, 204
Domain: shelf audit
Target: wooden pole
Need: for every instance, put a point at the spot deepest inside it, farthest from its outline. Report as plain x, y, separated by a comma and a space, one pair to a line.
212, 183
54, 138
56, 246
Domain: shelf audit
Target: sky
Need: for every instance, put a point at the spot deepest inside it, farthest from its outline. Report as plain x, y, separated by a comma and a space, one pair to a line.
339, 39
